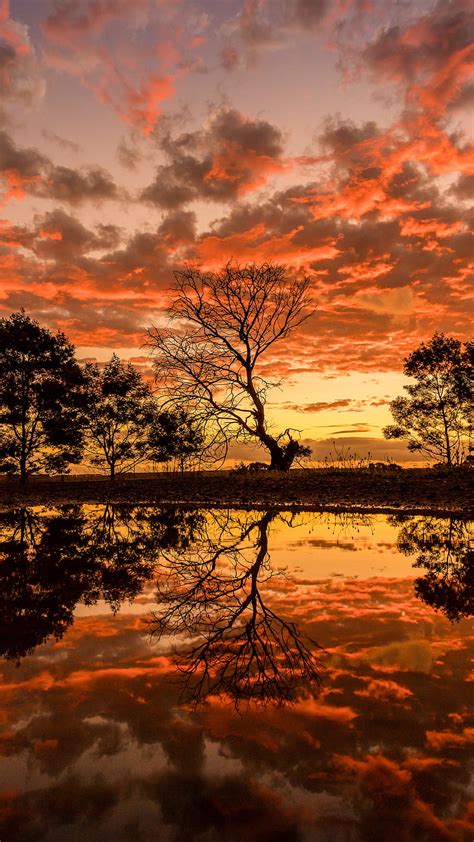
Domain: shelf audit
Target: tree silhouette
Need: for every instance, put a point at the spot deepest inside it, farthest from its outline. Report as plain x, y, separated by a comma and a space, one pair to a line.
217, 594
41, 399
119, 413
173, 435
444, 547
437, 416
214, 368
51, 561
43, 574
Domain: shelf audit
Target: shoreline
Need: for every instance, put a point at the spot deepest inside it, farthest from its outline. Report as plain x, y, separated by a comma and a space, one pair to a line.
410, 491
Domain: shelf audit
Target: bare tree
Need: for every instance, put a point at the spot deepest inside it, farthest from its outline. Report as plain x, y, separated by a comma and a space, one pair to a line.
209, 359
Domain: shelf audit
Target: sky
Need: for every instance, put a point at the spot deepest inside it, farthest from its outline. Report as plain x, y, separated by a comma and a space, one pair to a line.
333, 136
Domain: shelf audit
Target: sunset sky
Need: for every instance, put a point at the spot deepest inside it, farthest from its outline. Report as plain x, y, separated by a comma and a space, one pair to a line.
329, 135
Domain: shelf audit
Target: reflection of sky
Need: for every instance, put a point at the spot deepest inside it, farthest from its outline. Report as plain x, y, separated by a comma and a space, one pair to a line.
97, 746
321, 546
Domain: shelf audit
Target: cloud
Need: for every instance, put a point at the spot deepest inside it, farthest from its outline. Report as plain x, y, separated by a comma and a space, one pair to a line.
21, 80
128, 155
229, 58
20, 169
27, 170
342, 404
309, 13
178, 227
425, 51
255, 28
60, 236
319, 406
92, 281
463, 188
142, 106
373, 217
234, 154
354, 428
74, 186
91, 41
62, 142
90, 19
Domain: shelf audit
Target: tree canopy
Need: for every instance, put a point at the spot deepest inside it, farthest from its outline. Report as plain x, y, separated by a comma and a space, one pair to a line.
210, 358
119, 413
437, 416
174, 435
42, 399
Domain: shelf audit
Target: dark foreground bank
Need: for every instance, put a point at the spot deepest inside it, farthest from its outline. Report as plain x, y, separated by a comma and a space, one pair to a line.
411, 489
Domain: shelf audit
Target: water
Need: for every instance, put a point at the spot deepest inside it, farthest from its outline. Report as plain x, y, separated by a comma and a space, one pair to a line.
191, 675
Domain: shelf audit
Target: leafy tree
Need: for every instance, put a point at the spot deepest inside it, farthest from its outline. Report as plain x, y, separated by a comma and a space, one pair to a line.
120, 411
41, 399
437, 416
174, 436
214, 367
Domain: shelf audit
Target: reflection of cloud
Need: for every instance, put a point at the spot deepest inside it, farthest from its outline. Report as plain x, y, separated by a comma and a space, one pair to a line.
414, 655
325, 543
129, 753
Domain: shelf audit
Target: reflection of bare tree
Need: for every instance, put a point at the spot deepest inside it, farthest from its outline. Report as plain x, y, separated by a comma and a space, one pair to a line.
346, 524
444, 547
219, 595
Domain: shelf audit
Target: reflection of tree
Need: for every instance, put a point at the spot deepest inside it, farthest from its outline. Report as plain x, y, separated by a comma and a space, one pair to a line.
444, 548
49, 561
219, 594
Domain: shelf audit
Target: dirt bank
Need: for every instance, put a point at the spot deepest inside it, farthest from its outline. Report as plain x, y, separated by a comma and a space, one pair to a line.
411, 490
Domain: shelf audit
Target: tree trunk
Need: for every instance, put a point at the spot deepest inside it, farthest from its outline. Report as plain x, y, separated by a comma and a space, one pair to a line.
448, 444
23, 472
446, 436
282, 458
278, 461
112, 470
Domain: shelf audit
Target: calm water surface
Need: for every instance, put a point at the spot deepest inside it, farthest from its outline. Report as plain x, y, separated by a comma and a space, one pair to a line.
191, 675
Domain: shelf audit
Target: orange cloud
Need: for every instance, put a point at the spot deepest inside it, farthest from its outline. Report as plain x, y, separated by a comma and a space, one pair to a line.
252, 245
385, 690
244, 166
440, 740
142, 107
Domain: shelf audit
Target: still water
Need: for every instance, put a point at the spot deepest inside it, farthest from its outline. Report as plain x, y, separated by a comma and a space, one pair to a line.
191, 675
